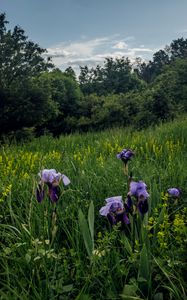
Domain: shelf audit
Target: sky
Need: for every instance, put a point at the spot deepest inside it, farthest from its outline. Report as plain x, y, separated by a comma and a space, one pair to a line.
84, 32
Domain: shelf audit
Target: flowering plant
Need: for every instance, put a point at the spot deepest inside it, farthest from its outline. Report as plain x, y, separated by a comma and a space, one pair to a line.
139, 191
174, 192
125, 155
52, 179
115, 211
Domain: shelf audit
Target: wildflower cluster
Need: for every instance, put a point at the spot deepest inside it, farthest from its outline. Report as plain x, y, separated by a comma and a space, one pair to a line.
117, 211
137, 201
179, 227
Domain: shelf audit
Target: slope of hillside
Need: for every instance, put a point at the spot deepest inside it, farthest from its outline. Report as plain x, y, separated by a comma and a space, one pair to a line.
67, 250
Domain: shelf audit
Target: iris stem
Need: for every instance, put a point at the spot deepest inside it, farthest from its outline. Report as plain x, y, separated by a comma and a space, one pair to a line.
126, 169
54, 226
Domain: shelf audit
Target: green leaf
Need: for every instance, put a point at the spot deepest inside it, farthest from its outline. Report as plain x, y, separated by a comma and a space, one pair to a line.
144, 264
129, 290
158, 296
83, 224
161, 216
85, 297
91, 220
127, 245
143, 272
67, 288
27, 258
141, 279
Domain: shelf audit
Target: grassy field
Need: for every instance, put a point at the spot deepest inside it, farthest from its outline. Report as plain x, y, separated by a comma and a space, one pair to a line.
67, 250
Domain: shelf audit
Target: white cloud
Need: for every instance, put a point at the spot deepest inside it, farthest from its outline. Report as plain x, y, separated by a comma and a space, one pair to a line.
93, 52
81, 48
142, 50
120, 45
57, 52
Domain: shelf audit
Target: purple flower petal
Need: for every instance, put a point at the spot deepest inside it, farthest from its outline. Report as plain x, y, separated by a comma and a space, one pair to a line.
54, 193
125, 155
138, 189
49, 175
118, 155
142, 206
142, 194
104, 210
111, 219
113, 199
174, 192
129, 201
126, 219
40, 193
116, 206
113, 204
65, 179
122, 217
133, 188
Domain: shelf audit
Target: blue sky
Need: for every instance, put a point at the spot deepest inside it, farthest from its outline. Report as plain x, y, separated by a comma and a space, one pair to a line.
84, 32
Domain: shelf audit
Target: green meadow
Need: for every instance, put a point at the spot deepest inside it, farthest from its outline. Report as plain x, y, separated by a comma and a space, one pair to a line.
67, 250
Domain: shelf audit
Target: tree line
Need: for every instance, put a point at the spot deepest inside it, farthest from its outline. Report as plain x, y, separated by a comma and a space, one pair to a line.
36, 97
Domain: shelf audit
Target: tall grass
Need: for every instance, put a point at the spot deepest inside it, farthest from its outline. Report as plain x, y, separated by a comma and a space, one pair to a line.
71, 252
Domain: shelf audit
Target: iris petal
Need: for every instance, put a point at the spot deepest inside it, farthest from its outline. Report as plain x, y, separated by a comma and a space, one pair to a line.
54, 193
111, 219
125, 155
129, 202
65, 179
40, 193
143, 206
174, 192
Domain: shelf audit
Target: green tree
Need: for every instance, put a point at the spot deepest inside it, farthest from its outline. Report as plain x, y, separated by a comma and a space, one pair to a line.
23, 102
70, 72
116, 76
66, 94
178, 48
174, 80
19, 57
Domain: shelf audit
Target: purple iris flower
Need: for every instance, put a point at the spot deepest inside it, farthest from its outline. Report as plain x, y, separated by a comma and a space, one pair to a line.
51, 175
125, 155
114, 211
112, 205
52, 179
139, 191
174, 192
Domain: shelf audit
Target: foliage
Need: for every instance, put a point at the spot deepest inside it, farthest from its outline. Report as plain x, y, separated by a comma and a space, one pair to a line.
65, 94
68, 251
113, 78
19, 57
118, 93
23, 102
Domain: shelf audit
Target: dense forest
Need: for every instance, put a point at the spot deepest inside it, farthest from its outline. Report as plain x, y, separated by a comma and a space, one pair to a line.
36, 97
